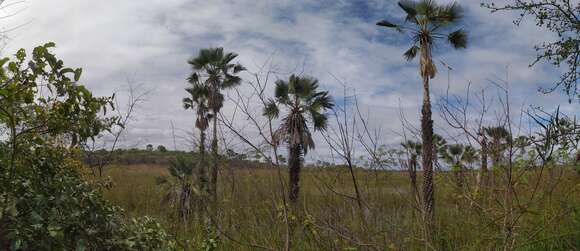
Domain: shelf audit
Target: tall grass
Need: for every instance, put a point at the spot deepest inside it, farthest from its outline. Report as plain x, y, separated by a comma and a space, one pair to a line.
250, 212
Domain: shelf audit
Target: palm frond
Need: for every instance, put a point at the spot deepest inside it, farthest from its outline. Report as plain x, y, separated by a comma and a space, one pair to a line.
230, 81
304, 87
271, 110
281, 92
194, 78
458, 39
409, 7
238, 68
450, 13
227, 58
319, 120
411, 53
427, 8
187, 103
387, 24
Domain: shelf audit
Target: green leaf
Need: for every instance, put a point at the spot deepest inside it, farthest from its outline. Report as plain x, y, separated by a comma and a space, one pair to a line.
50, 45
387, 24
78, 73
21, 54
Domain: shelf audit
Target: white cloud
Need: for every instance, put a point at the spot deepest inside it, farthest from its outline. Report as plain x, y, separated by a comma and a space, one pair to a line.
150, 41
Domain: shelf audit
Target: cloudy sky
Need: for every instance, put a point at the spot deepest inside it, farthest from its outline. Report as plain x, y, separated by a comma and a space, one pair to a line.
148, 42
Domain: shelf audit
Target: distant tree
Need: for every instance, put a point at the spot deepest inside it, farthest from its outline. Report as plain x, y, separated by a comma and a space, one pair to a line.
161, 148
305, 105
414, 151
469, 155
521, 143
453, 155
427, 22
562, 18
439, 144
149, 147
500, 137
218, 73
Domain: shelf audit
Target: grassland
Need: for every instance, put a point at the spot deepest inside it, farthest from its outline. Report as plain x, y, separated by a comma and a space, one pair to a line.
250, 211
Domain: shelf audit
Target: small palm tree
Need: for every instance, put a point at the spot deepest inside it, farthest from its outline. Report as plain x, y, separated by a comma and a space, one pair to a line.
453, 155
198, 98
427, 22
439, 144
219, 73
522, 142
305, 105
179, 190
500, 138
413, 149
469, 156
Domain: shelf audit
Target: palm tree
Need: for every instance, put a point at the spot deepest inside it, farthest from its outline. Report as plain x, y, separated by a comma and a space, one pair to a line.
427, 22
413, 150
453, 155
522, 142
305, 105
219, 73
439, 145
198, 98
500, 138
469, 155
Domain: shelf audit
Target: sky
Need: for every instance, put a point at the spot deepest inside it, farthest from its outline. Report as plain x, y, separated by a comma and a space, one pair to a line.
147, 43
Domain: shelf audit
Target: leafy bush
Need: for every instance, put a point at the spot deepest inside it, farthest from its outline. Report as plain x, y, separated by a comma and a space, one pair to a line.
45, 204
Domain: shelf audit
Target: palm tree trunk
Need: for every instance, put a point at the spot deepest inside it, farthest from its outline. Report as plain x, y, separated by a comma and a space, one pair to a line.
214, 150
484, 172
201, 167
412, 169
427, 71
294, 166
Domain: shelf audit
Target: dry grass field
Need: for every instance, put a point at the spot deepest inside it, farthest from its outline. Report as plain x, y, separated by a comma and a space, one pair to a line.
327, 217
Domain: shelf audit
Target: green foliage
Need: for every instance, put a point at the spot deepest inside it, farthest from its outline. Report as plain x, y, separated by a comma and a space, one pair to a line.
50, 207
426, 21
300, 96
45, 204
561, 18
161, 148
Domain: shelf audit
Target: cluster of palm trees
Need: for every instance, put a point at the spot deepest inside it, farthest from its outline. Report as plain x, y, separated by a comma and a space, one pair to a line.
303, 105
458, 157
214, 72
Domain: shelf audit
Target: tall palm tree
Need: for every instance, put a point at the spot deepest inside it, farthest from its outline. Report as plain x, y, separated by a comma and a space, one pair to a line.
305, 105
427, 22
219, 73
197, 100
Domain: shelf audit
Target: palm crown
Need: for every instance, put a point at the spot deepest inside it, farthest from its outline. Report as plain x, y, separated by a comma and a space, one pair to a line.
199, 94
429, 22
217, 69
305, 103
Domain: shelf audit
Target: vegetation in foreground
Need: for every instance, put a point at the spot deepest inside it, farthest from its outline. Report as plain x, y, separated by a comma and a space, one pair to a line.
327, 218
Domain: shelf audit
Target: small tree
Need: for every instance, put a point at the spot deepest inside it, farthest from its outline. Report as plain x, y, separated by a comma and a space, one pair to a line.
161, 148
562, 19
305, 105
